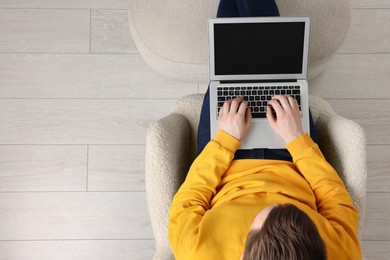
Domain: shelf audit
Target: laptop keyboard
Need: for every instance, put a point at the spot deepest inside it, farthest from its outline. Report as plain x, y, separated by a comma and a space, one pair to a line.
257, 96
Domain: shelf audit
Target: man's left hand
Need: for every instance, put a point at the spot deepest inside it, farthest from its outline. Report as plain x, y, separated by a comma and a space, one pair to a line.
235, 118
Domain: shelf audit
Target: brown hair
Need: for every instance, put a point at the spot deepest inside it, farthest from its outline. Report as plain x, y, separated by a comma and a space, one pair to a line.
287, 233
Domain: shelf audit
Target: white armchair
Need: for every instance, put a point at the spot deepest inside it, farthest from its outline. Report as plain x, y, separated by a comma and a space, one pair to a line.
172, 146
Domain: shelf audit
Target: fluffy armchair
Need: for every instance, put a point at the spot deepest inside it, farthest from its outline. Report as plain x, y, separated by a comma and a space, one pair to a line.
172, 144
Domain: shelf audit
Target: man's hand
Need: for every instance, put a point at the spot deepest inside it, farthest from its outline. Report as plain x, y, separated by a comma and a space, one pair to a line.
288, 123
235, 118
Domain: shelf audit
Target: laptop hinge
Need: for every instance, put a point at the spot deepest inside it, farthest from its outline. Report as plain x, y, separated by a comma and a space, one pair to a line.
257, 81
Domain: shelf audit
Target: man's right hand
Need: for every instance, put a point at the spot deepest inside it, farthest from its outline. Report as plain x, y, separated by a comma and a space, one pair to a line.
288, 123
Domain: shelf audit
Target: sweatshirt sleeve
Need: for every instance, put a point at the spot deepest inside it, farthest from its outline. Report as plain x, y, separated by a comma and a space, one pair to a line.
332, 198
192, 200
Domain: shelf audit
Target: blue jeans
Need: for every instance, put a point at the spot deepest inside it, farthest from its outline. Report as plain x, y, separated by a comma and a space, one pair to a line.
245, 8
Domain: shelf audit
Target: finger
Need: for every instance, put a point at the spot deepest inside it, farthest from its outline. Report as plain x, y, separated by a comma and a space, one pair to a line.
235, 104
270, 117
293, 102
240, 99
248, 117
276, 106
220, 113
283, 101
226, 107
243, 108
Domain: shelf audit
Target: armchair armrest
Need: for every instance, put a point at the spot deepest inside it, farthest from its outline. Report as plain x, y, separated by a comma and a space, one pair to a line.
167, 161
343, 143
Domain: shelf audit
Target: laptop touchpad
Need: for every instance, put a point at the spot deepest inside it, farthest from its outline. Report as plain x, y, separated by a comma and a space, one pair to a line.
261, 135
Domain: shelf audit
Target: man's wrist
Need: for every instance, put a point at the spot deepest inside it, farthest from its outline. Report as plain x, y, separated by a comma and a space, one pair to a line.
299, 144
292, 137
226, 140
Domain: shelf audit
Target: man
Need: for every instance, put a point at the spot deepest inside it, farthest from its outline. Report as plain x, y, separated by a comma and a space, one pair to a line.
263, 209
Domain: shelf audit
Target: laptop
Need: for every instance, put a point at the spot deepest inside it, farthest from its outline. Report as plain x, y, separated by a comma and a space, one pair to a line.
256, 58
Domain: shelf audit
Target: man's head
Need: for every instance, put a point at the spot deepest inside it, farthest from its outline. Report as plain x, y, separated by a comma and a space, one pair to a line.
284, 232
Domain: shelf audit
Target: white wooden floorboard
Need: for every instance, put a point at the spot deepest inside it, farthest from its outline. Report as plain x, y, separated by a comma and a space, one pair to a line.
375, 4
77, 250
74, 216
353, 76
110, 32
48, 31
374, 118
43, 168
377, 224
378, 164
84, 76
116, 168
78, 121
376, 250
369, 32
65, 4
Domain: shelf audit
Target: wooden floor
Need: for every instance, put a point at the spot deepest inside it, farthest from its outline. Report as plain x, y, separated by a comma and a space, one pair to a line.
75, 102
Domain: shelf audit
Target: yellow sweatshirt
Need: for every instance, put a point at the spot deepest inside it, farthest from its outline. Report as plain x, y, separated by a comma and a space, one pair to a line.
213, 210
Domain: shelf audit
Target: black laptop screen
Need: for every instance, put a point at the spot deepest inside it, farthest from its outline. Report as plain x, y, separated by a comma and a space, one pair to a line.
258, 48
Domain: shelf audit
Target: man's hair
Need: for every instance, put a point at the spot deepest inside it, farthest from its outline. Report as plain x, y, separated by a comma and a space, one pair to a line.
287, 233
